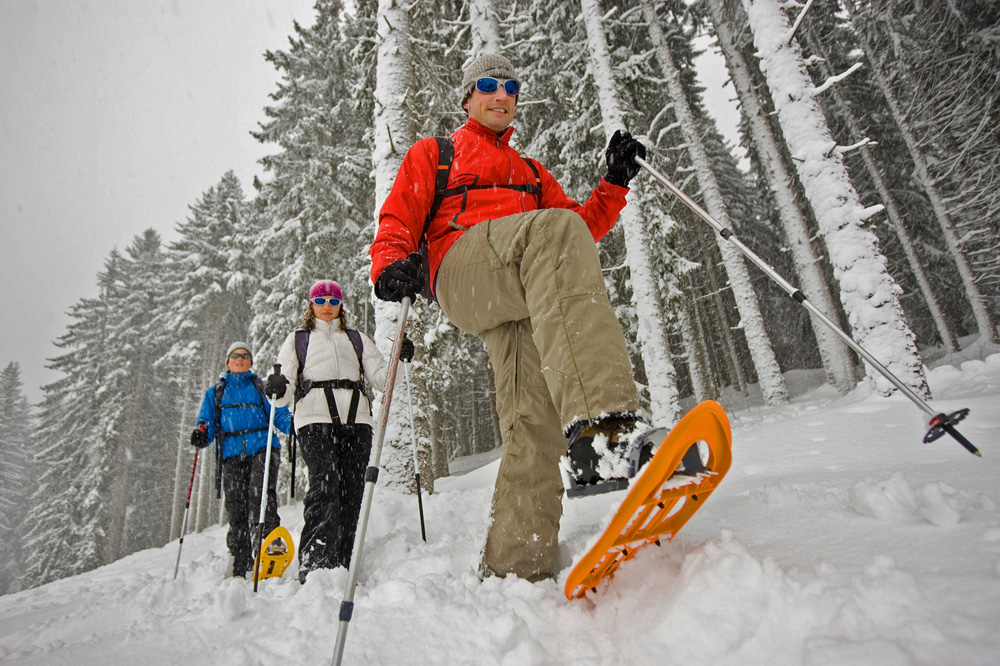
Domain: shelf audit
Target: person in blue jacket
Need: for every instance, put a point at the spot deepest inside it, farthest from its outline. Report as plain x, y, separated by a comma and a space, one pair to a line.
236, 411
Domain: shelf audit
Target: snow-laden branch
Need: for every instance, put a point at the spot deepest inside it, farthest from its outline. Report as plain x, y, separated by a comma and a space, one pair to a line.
834, 80
871, 211
843, 150
798, 22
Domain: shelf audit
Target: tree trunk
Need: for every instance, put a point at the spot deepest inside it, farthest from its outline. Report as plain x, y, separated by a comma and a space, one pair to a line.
869, 294
977, 300
896, 221
772, 384
837, 359
660, 372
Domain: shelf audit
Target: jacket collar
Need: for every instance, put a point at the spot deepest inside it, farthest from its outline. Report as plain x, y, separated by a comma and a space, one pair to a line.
327, 326
478, 128
231, 377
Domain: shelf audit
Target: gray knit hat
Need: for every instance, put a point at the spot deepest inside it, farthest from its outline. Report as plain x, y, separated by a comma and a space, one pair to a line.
487, 64
238, 345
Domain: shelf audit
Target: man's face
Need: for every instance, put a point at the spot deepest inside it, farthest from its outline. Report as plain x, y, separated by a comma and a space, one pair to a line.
494, 110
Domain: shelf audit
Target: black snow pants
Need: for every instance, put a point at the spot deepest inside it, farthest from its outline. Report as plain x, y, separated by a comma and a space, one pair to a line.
242, 479
337, 457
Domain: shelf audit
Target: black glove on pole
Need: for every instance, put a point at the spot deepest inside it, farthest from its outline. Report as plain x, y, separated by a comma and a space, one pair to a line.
406, 350
620, 155
199, 438
403, 278
276, 385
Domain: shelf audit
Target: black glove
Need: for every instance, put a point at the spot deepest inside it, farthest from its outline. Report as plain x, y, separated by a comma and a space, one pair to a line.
199, 438
401, 278
275, 386
621, 154
406, 350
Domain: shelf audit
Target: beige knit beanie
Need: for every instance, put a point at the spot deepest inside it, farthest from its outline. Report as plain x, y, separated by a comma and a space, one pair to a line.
487, 64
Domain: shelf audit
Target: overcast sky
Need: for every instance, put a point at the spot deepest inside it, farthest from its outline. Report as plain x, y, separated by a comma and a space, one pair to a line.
115, 116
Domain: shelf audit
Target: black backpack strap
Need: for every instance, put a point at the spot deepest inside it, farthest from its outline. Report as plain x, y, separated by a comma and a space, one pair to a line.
301, 347
446, 155
219, 388
537, 190
258, 384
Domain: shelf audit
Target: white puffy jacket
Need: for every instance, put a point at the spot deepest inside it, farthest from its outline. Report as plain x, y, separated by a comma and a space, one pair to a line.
330, 356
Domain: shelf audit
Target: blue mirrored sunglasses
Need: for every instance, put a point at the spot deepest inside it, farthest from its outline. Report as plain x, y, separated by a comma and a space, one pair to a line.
319, 300
489, 85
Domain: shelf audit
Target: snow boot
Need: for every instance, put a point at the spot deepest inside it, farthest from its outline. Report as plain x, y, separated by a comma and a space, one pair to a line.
277, 547
603, 455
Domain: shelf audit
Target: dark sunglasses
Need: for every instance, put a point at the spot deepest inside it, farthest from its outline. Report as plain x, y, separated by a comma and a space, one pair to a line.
319, 300
488, 85
236, 355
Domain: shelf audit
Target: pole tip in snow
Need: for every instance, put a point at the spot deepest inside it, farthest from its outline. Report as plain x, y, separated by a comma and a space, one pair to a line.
945, 423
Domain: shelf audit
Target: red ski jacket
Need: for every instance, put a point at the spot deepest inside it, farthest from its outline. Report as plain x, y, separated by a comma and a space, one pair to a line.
481, 158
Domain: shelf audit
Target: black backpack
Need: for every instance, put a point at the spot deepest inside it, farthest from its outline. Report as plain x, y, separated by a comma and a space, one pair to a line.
446, 155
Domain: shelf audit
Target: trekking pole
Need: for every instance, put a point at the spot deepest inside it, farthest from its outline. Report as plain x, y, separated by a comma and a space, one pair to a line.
939, 423
291, 445
263, 490
184, 521
413, 437
371, 476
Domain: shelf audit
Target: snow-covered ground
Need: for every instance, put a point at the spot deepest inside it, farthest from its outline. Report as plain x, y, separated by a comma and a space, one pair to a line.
837, 538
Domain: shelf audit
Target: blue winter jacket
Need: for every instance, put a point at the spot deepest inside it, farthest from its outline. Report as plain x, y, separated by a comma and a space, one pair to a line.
243, 409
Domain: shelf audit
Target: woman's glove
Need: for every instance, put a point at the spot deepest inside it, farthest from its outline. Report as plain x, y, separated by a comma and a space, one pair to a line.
621, 154
276, 385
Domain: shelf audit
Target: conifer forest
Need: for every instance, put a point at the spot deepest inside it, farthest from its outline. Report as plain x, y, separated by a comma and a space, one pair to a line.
871, 181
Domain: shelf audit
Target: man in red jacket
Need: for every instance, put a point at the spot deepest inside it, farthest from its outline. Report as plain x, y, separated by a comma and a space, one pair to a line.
514, 261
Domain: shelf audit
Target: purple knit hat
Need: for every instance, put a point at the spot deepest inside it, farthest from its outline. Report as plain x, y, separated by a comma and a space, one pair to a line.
326, 288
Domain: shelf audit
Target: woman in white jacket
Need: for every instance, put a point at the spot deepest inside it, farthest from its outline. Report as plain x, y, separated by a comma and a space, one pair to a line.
333, 421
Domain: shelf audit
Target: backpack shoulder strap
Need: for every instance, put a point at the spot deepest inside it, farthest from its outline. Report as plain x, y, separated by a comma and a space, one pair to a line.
301, 347
538, 181
259, 385
220, 388
359, 349
446, 155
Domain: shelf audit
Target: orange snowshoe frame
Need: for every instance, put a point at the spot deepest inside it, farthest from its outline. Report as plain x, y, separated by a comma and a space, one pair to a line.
657, 506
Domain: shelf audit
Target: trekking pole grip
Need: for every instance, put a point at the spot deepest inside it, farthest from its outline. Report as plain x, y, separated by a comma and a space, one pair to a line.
276, 369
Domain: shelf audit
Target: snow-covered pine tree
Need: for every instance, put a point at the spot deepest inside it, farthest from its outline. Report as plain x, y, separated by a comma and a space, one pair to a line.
646, 297
772, 383
131, 477
826, 64
208, 308
936, 64
869, 294
314, 208
17, 475
63, 525
769, 157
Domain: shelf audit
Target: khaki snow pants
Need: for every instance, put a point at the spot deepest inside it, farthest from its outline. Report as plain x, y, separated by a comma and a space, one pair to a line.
530, 286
